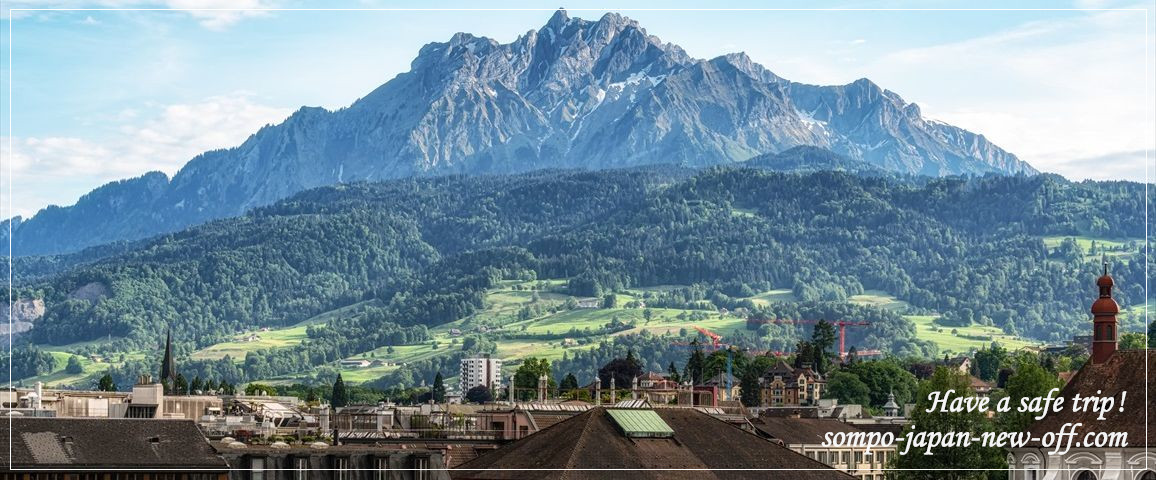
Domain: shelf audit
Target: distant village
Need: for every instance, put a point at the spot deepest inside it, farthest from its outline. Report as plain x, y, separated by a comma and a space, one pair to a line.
767, 424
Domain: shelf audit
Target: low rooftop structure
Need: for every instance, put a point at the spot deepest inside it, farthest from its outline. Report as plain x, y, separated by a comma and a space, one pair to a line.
96, 445
667, 441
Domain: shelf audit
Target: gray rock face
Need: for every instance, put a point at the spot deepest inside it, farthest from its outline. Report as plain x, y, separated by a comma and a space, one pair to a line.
573, 94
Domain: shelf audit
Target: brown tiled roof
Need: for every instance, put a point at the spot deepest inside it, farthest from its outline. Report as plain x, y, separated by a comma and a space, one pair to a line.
592, 440
546, 420
108, 443
1124, 371
800, 431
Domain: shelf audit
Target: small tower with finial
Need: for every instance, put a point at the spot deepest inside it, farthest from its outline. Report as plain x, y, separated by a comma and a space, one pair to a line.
891, 409
1104, 311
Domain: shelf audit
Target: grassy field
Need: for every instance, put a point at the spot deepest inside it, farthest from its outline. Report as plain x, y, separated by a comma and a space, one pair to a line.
879, 299
272, 338
1115, 246
91, 369
956, 343
779, 295
501, 316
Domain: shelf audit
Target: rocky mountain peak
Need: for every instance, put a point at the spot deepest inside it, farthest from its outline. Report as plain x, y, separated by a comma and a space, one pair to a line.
574, 93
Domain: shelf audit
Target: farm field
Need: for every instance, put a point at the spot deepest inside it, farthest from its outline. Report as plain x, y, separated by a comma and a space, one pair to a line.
1111, 247
272, 338
958, 343
92, 370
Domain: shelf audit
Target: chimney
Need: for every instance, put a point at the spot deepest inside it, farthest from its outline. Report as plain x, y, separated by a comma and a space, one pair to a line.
597, 391
39, 396
543, 382
613, 391
1104, 311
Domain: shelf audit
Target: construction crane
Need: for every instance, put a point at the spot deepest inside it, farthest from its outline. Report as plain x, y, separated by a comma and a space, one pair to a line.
714, 337
715, 344
842, 324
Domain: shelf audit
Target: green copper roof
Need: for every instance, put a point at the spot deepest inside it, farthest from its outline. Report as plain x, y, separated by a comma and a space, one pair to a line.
641, 423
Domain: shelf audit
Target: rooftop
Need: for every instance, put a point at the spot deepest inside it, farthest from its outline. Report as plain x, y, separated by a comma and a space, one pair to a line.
595, 440
800, 431
1124, 371
108, 443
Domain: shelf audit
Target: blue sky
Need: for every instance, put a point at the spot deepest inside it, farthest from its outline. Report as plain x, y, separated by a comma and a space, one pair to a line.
103, 95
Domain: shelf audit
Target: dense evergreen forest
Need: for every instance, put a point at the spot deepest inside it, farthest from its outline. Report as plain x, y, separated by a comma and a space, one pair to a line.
426, 250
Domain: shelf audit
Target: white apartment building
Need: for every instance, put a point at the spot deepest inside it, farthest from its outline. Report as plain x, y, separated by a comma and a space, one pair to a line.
480, 371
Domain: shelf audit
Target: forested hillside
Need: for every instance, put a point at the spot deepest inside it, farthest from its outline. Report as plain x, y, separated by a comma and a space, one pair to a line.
425, 251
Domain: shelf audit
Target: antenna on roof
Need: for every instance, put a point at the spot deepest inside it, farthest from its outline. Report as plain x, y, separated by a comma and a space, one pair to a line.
1105, 264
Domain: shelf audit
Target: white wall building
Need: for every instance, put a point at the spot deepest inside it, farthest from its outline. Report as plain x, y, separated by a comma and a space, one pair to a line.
480, 371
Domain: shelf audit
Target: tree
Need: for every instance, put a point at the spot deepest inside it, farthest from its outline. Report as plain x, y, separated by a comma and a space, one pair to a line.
439, 389
988, 361
196, 385
479, 394
1152, 334
1133, 341
823, 336
527, 375
73, 366
610, 301
1029, 380
696, 364
227, 388
805, 353
883, 377
210, 385
750, 388
569, 384
254, 388
340, 397
106, 384
672, 373
181, 386
622, 370
932, 467
848, 388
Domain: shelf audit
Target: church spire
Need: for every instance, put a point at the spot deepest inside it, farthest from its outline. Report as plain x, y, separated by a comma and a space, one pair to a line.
168, 370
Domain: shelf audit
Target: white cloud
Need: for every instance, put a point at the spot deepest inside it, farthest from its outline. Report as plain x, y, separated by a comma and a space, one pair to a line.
151, 138
227, 13
211, 14
1063, 95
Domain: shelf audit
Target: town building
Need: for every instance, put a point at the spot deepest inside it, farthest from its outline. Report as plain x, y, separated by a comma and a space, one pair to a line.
283, 461
660, 438
1109, 372
484, 371
806, 436
49, 448
784, 385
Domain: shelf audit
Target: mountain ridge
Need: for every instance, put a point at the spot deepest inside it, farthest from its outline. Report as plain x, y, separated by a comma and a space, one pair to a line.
573, 94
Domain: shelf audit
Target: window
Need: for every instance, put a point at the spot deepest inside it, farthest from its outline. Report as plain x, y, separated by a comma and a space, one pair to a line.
846, 457
341, 469
420, 468
257, 468
1149, 475
381, 468
1030, 475
301, 468
1085, 475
